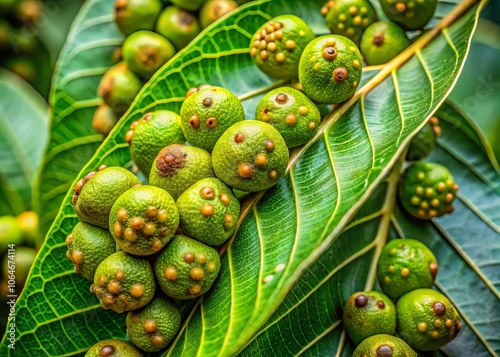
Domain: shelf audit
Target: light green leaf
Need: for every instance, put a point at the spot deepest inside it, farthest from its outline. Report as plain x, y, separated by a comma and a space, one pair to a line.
86, 56
24, 122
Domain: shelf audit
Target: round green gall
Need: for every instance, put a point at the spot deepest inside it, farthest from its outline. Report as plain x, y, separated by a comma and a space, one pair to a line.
154, 326
118, 88
146, 51
186, 268
23, 260
330, 69
212, 10
208, 211
382, 41
10, 232
368, 313
178, 26
95, 194
135, 15
104, 119
177, 167
207, 113
426, 319
422, 144
88, 246
350, 18
250, 156
113, 348
293, 114
409, 14
427, 190
123, 282
143, 220
277, 46
191, 5
405, 265
383, 346
152, 133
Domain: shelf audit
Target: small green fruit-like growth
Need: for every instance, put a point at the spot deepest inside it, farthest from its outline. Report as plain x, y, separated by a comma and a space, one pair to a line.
186, 268
405, 265
135, 15
330, 69
10, 232
23, 259
29, 223
293, 114
350, 18
152, 133
88, 246
104, 119
118, 87
146, 51
212, 10
426, 319
95, 194
250, 156
113, 348
123, 282
383, 346
191, 5
422, 144
382, 41
207, 113
208, 211
143, 220
409, 14
277, 46
178, 26
369, 313
154, 326
177, 167
428, 190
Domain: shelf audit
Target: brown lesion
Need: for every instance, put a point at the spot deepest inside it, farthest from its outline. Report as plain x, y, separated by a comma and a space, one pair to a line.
79, 186
170, 160
378, 39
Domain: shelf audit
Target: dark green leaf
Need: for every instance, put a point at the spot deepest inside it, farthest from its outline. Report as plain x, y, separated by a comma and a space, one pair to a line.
24, 117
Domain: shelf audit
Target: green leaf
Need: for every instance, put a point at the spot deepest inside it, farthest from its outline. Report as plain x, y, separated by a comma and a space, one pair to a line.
310, 317
294, 222
86, 56
24, 117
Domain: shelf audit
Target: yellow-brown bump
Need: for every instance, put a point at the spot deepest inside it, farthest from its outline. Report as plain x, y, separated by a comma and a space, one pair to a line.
392, 251
245, 170
342, 17
433, 213
201, 258
102, 167
149, 229
152, 211
68, 255
164, 231
137, 291
311, 125
277, 26
433, 267
356, 63
195, 289
415, 200
329, 53
353, 10
354, 84
455, 187
264, 54
449, 197
391, 269
211, 122
196, 274
211, 267
272, 47
130, 235
339, 74
351, 31
120, 275
207, 193
340, 26
207, 209
194, 121
420, 175
429, 192
128, 136
422, 327
424, 205
191, 91
69, 238
137, 223
108, 299
106, 350
269, 28
435, 334
150, 326
162, 216
170, 273
158, 340
421, 213
156, 245
400, 7
273, 175
269, 145
280, 57
189, 258
290, 45
224, 198
441, 187
281, 98
114, 287
270, 38
435, 202
438, 323
102, 281
239, 138
357, 20
263, 44
253, 52
387, 280
121, 214
419, 190
291, 119
405, 272
229, 220
448, 323
77, 257
261, 160
303, 110
279, 35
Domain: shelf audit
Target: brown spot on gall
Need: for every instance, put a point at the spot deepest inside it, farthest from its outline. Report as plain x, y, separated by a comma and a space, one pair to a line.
194, 121
106, 351
189, 258
207, 193
130, 235
281, 98
261, 160
384, 351
121, 214
273, 175
137, 291
162, 216
207, 209
201, 258
229, 220
120, 275
269, 145
196, 274
381, 304
170, 160
157, 340
239, 138
339, 74
195, 289
152, 212
433, 267
211, 123
170, 273
69, 238
378, 39
137, 223
149, 229
224, 198
361, 300
77, 257
439, 308
245, 170
114, 288
150, 326
207, 102
128, 136
329, 53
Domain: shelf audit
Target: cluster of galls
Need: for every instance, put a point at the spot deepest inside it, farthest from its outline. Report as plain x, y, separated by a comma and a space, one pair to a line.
423, 318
